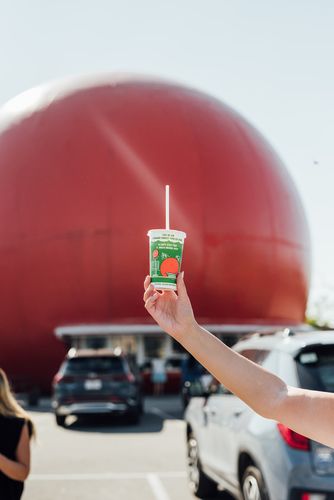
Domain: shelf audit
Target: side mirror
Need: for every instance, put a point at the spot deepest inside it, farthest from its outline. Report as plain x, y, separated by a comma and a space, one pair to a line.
195, 389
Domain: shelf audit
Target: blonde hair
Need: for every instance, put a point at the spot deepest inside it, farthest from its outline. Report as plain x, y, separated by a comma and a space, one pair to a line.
9, 407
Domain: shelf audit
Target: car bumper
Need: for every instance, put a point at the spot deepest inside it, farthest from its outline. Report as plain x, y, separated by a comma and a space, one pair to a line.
85, 408
310, 483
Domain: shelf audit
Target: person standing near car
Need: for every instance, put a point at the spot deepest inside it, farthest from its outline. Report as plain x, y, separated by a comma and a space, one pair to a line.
307, 412
16, 430
158, 375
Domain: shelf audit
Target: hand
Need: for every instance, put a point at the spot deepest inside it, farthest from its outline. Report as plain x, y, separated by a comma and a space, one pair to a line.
172, 312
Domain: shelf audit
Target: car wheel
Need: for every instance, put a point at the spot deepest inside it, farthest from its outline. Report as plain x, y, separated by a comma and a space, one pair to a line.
200, 484
141, 407
253, 485
60, 420
134, 417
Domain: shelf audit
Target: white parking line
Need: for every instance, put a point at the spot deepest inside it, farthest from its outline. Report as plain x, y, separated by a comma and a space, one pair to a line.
105, 475
157, 487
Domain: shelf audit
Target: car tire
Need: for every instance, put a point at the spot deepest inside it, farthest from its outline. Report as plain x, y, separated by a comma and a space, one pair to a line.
134, 417
141, 407
253, 486
60, 420
200, 484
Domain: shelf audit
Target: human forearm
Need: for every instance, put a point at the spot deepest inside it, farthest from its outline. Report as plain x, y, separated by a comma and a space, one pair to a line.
12, 469
258, 388
299, 409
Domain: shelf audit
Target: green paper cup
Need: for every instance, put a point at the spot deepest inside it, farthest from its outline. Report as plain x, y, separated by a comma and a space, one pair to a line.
166, 248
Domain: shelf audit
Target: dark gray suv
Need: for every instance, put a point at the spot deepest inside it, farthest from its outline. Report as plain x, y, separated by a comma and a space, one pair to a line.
253, 457
96, 382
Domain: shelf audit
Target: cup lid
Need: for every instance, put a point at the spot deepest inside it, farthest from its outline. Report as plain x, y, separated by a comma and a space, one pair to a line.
175, 232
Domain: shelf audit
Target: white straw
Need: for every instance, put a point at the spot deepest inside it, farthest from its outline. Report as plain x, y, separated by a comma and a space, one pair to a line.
167, 207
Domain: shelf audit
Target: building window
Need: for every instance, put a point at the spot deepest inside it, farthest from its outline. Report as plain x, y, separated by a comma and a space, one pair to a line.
96, 342
154, 346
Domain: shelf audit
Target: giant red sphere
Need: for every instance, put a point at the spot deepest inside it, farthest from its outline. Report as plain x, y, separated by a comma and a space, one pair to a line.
82, 173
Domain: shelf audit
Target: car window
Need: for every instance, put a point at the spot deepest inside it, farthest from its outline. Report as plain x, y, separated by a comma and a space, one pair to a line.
256, 355
173, 363
221, 389
315, 368
98, 364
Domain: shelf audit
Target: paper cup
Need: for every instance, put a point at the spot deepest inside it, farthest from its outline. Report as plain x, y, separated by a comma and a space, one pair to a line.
166, 249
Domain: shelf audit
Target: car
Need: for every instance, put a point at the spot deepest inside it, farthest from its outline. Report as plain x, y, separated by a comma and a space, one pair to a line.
96, 381
256, 458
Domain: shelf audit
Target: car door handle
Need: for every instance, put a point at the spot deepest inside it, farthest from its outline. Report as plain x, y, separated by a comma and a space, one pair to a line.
212, 410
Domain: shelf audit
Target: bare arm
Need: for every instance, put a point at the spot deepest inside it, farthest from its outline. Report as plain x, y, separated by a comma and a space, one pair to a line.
310, 413
19, 469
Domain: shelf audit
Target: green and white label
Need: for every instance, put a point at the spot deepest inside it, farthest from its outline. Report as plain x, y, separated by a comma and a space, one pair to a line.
165, 259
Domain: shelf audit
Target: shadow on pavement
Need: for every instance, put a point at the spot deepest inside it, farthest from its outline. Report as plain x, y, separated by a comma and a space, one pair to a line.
115, 425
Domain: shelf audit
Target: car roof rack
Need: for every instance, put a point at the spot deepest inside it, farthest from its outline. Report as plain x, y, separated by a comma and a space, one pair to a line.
285, 332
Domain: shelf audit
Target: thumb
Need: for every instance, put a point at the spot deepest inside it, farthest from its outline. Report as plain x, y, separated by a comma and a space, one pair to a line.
181, 287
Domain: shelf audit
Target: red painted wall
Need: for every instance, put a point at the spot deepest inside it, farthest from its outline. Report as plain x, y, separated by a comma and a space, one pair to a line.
82, 175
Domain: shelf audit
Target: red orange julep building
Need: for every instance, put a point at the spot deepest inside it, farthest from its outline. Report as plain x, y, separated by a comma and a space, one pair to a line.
83, 165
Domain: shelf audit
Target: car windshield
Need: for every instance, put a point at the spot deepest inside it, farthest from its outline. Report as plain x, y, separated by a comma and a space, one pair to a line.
97, 364
315, 367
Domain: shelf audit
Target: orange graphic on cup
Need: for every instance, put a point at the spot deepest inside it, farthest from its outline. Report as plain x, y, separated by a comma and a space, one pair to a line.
169, 266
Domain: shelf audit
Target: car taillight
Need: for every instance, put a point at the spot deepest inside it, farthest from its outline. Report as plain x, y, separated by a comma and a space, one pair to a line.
62, 378
293, 439
56, 379
124, 377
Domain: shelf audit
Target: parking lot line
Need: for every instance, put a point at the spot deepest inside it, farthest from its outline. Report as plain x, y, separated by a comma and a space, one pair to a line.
157, 487
105, 475
160, 413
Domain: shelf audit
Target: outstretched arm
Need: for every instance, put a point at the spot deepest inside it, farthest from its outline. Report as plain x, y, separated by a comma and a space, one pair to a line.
310, 413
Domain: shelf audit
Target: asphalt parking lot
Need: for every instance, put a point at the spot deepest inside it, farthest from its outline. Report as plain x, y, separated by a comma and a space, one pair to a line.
107, 459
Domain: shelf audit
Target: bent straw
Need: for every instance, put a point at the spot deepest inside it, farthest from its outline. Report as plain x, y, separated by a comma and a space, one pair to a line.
167, 206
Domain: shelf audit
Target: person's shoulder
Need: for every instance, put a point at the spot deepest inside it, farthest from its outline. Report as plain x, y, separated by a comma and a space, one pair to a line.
19, 421
12, 418
12, 423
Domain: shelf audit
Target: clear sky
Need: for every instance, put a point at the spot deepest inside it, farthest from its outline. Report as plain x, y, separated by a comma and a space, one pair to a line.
271, 60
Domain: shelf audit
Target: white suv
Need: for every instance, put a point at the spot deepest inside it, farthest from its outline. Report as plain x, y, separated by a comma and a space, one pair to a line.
253, 457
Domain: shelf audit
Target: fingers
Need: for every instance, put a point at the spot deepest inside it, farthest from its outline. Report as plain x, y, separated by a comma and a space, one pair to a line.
150, 302
147, 282
150, 295
181, 287
148, 292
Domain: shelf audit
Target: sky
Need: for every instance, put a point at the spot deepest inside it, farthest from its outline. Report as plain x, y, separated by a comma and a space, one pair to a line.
272, 61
